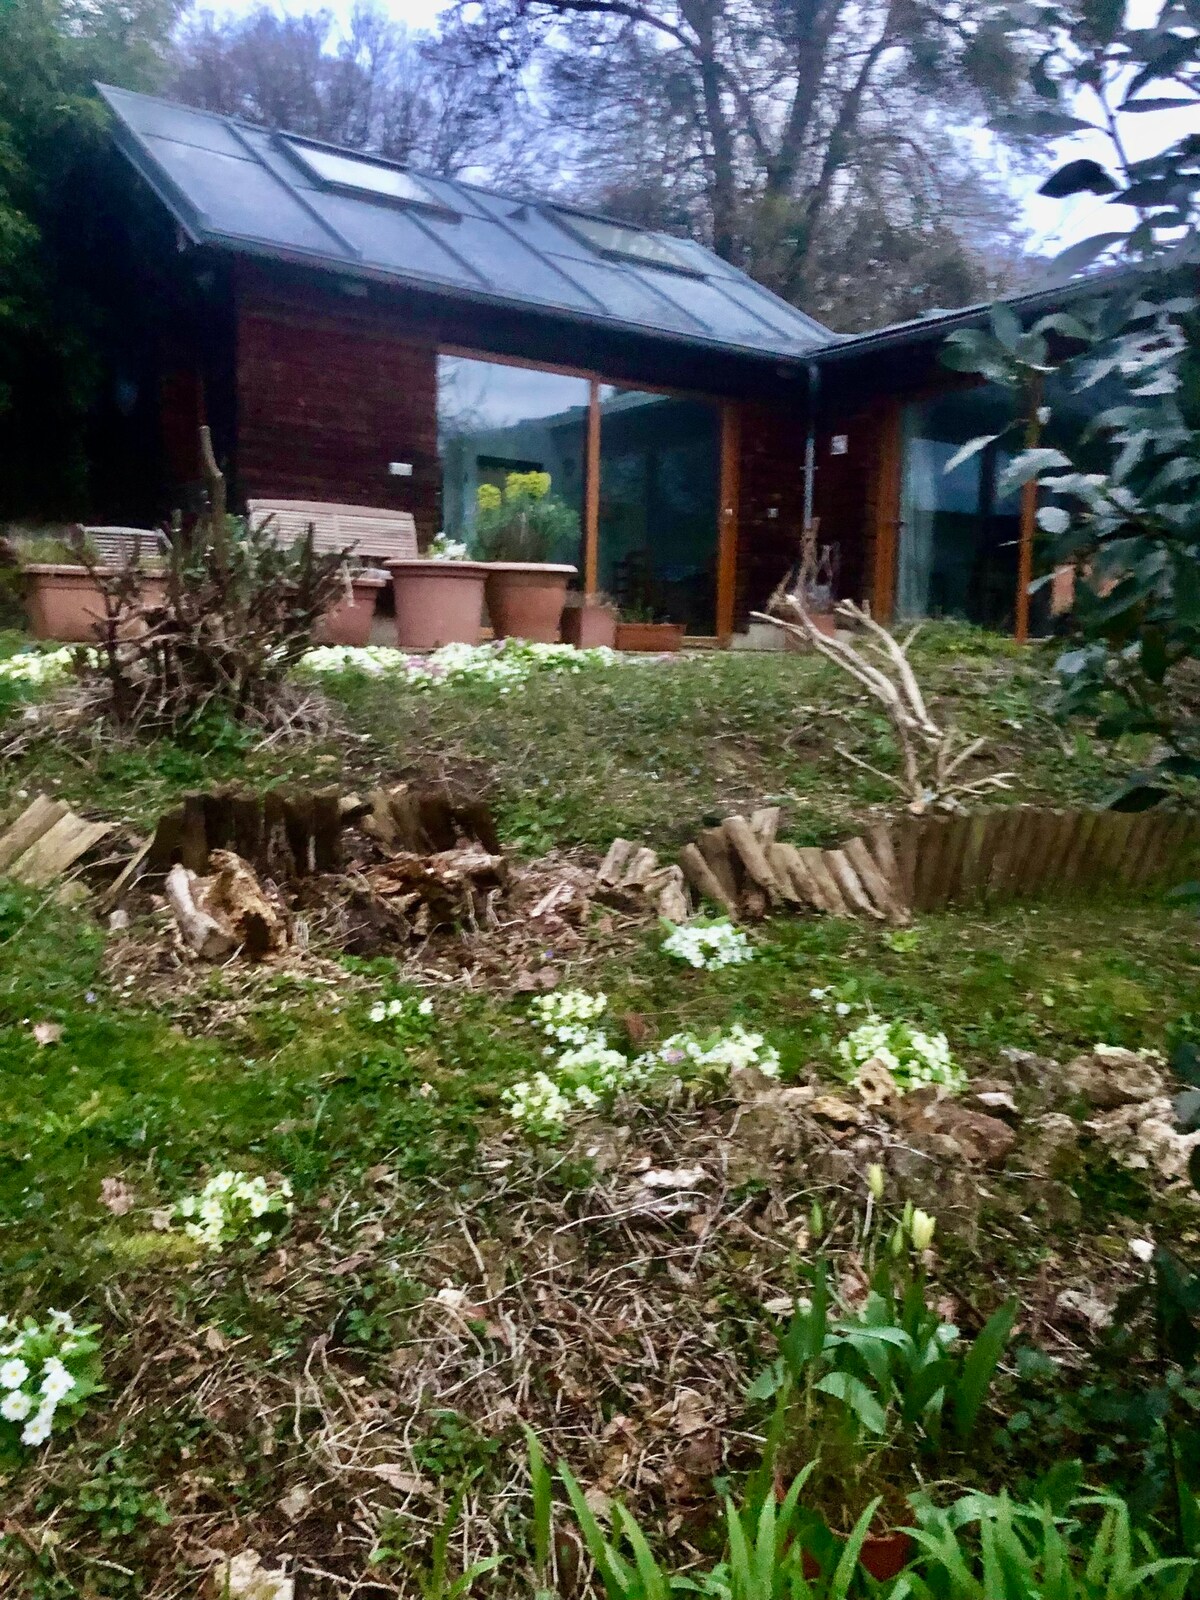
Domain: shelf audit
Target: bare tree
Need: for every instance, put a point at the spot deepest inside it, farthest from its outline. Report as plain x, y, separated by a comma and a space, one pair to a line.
373, 85
764, 126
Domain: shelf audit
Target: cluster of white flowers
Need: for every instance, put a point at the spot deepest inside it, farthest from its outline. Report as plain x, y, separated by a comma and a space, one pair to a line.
708, 945
1152, 1058
567, 1014
913, 1058
38, 667
399, 1011
443, 548
44, 1366
591, 1073
721, 1054
230, 1204
507, 662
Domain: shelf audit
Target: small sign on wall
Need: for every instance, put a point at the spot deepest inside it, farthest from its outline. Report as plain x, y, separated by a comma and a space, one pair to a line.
839, 444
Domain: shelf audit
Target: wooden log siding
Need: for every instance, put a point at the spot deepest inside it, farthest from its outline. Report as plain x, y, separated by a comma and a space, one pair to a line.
328, 393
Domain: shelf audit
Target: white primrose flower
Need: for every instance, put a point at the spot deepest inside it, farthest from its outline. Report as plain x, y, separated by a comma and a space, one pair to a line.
13, 1373
37, 1431
707, 946
506, 663
15, 1406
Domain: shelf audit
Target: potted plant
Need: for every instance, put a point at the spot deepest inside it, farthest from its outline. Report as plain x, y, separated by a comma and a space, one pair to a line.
439, 596
589, 622
348, 621
518, 531
64, 596
868, 1390
643, 628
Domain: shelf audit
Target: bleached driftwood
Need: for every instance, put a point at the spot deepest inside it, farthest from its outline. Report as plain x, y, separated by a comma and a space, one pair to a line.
932, 756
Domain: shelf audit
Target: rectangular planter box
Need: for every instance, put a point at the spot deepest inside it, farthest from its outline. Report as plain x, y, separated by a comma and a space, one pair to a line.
652, 637
589, 627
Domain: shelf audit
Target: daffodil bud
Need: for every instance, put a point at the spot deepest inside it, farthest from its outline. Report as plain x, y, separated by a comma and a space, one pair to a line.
921, 1230
816, 1220
875, 1181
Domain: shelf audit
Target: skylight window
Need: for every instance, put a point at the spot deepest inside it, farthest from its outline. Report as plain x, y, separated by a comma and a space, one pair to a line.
361, 175
630, 244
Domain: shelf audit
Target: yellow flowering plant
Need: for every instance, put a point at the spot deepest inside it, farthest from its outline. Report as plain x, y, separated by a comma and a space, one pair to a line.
526, 521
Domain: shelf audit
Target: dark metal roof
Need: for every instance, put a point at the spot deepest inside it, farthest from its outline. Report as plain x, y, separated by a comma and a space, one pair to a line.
936, 325
247, 189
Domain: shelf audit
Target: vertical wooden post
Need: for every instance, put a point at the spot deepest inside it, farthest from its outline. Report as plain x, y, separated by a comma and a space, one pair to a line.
591, 493
728, 497
889, 466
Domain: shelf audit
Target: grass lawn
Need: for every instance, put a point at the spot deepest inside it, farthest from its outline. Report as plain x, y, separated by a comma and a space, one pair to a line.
443, 1280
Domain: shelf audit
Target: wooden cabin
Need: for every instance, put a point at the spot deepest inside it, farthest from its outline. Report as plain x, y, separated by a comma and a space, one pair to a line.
356, 332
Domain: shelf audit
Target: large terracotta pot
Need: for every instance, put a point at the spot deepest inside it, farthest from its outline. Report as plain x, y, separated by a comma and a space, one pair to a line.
589, 627
525, 599
65, 603
437, 602
349, 620
649, 636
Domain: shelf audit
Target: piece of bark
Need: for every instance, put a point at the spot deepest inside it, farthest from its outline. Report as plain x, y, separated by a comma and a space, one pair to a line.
848, 882
714, 847
38, 817
612, 868
60, 847
777, 860
704, 880
641, 864
218, 820
167, 843
380, 823
249, 832
298, 826
437, 819
765, 823
327, 830
665, 889
873, 881
750, 853
475, 820
352, 808
818, 869
881, 846
808, 890
193, 835
234, 897
408, 832
202, 933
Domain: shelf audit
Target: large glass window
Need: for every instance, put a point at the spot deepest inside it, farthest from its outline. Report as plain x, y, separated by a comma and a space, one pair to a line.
495, 419
959, 535
660, 468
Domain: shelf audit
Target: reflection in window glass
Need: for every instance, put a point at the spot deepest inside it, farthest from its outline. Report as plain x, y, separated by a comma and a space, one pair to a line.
660, 463
493, 420
959, 536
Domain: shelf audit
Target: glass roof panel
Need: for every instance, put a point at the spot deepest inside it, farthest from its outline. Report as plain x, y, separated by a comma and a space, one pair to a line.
615, 239
361, 174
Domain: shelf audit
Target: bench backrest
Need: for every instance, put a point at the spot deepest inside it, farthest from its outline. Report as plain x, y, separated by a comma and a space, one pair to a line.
114, 546
369, 531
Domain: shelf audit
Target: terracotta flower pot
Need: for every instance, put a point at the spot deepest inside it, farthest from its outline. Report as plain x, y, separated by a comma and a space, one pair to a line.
589, 627
437, 602
649, 636
884, 1555
65, 602
525, 599
348, 620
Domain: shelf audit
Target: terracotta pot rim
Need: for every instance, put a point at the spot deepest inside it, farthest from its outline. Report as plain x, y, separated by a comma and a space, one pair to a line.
549, 568
69, 569
443, 569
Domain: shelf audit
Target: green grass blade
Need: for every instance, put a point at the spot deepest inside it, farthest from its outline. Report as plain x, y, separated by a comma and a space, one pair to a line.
541, 1490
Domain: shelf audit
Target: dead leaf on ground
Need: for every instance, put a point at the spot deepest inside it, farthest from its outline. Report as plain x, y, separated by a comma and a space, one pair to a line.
47, 1032
116, 1194
400, 1478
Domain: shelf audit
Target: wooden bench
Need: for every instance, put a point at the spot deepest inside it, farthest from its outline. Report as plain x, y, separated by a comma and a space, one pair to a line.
369, 532
114, 546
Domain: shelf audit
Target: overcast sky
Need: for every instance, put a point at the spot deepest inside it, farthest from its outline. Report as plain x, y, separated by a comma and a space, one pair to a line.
1053, 224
